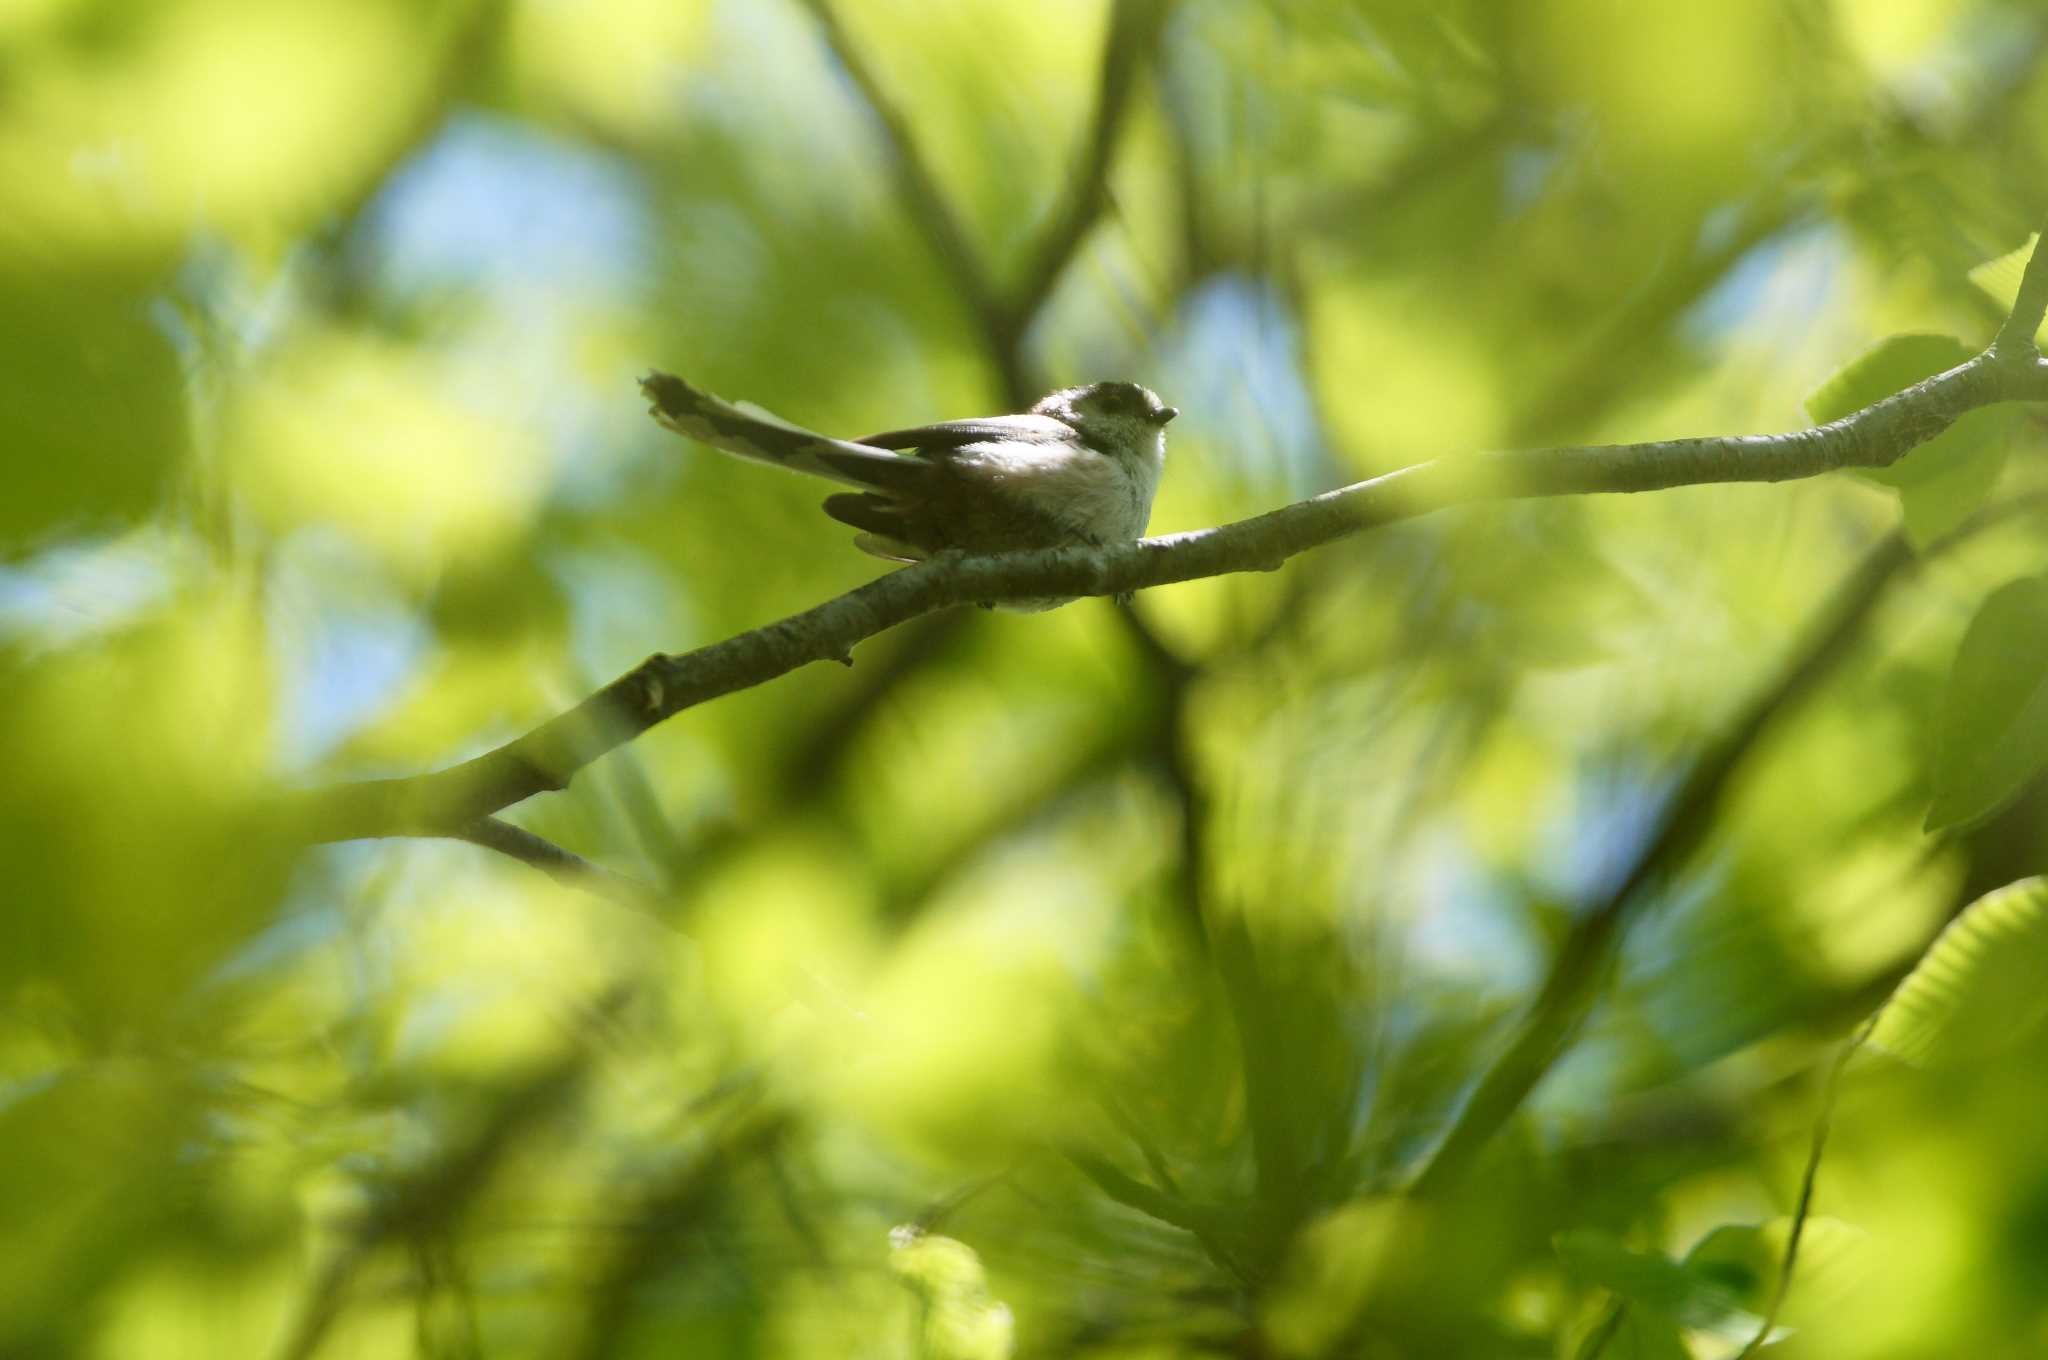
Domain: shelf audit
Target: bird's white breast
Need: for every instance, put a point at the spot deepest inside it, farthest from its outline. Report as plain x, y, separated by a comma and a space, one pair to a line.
1102, 499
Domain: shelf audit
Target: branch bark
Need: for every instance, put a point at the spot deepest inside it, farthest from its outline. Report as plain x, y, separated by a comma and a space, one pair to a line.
666, 684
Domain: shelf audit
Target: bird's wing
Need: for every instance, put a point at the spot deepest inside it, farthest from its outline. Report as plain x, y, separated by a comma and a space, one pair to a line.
946, 436
747, 431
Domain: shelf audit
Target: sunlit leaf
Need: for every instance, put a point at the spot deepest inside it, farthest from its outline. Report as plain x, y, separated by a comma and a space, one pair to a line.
88, 1169
1745, 1259
201, 115
1690, 1298
613, 63
961, 1320
1993, 732
1978, 989
134, 827
2000, 278
1633, 1334
1332, 1270
1582, 58
1398, 381
351, 434
1942, 482
92, 407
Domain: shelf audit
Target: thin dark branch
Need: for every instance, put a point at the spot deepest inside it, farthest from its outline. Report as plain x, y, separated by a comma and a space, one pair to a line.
1568, 990
1204, 1224
1829, 1094
2015, 341
664, 685
1134, 28
564, 866
934, 1215
1128, 1125
661, 847
677, 1203
426, 1201
914, 178
1134, 1193
1224, 937
1133, 32
1610, 1326
811, 765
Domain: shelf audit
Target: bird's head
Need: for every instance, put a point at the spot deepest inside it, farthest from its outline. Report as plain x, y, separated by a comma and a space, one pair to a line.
1117, 417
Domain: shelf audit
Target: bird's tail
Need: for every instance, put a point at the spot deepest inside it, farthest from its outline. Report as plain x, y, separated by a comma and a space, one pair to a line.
747, 431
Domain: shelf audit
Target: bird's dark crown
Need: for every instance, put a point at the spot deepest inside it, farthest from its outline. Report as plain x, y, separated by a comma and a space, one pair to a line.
1105, 402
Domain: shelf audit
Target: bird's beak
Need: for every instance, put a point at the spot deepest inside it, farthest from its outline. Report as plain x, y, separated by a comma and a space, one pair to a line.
1164, 414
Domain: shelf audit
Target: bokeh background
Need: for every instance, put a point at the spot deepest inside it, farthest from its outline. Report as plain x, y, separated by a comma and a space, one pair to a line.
1086, 984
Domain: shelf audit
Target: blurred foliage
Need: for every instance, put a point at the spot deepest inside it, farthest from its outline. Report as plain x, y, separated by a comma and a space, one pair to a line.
1086, 984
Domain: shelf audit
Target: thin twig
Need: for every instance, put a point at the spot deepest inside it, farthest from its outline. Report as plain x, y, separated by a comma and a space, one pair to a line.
1568, 990
914, 178
1133, 32
677, 1202
1130, 1191
814, 760
1134, 28
564, 866
1609, 1328
426, 1201
934, 1215
1829, 1094
1203, 1223
1155, 1159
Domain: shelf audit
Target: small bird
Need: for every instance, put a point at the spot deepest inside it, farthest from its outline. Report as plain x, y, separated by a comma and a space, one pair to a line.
1080, 466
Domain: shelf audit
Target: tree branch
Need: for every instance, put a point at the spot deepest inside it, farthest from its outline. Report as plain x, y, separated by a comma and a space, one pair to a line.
423, 1201
665, 685
564, 866
1803, 1209
1206, 1224
914, 178
1568, 990
1134, 27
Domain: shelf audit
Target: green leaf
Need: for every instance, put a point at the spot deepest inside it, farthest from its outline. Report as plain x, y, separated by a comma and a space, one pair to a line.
1978, 988
1636, 1335
93, 407
1891, 365
1693, 1299
961, 1320
2000, 278
1945, 480
1744, 1259
1992, 737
